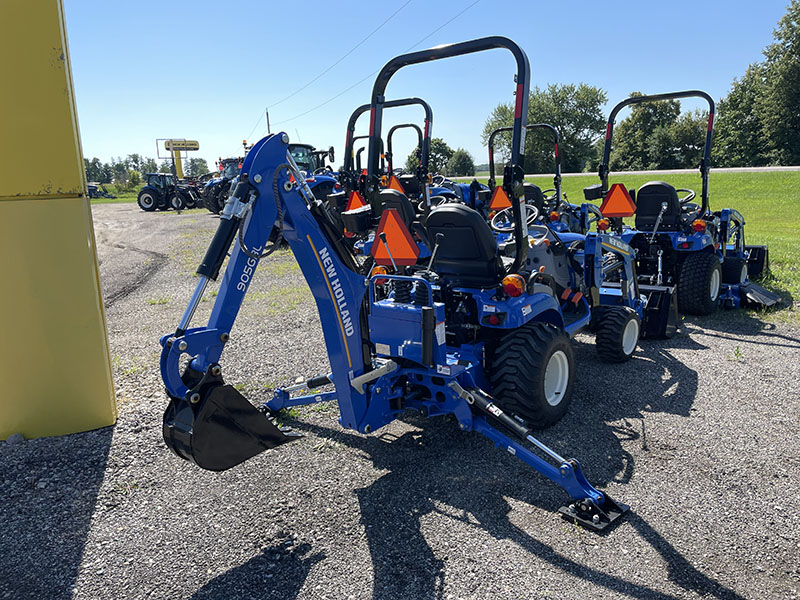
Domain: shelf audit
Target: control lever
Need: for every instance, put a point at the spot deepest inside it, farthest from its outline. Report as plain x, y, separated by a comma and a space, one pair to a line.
664, 207
382, 236
439, 239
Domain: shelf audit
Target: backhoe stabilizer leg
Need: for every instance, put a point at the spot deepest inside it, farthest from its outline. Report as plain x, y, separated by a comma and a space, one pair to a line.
592, 509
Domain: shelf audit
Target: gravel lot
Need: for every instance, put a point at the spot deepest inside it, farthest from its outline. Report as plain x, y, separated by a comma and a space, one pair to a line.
698, 434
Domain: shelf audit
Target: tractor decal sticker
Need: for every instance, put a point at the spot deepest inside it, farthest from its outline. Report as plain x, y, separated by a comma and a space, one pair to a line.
442, 370
495, 410
512, 450
489, 308
328, 269
526, 310
440, 333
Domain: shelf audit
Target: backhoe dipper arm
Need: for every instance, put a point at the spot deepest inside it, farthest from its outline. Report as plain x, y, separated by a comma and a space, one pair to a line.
264, 197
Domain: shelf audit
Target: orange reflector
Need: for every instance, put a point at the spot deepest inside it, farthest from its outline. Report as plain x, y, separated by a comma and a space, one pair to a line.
402, 246
603, 224
394, 184
618, 202
499, 199
379, 270
699, 225
513, 285
554, 216
355, 201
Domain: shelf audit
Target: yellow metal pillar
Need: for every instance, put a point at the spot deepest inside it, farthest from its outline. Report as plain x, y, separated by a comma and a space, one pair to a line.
54, 357
176, 157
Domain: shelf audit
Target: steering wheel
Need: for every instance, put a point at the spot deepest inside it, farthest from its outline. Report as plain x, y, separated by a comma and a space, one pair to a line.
438, 179
322, 170
690, 194
503, 222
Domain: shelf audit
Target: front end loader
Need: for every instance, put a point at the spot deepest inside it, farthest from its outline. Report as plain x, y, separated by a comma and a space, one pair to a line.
419, 338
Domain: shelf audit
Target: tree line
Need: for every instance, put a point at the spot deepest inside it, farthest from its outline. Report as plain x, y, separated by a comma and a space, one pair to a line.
756, 123
127, 173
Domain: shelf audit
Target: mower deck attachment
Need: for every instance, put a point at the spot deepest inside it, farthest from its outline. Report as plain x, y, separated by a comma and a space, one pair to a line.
752, 293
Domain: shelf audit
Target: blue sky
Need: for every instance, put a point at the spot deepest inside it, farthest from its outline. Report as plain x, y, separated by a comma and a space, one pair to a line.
207, 70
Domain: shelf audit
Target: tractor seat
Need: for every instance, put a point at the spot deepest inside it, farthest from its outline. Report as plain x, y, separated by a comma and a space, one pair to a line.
648, 205
400, 202
410, 184
534, 195
468, 255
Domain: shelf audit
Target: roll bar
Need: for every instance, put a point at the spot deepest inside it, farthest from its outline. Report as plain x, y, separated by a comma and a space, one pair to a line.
705, 163
548, 127
514, 174
390, 154
351, 127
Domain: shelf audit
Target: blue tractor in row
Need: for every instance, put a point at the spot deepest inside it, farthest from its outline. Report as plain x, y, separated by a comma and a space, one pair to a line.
698, 253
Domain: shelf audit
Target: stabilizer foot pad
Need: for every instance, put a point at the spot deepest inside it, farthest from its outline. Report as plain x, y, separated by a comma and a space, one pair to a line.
590, 515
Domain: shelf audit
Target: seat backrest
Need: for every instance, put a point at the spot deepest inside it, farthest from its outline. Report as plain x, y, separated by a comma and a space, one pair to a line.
534, 195
468, 254
399, 202
648, 204
410, 184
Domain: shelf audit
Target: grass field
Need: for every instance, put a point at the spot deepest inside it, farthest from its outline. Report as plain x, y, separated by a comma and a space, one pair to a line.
769, 201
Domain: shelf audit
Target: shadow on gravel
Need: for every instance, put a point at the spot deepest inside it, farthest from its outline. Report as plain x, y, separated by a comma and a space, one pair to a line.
742, 325
264, 576
462, 477
49, 489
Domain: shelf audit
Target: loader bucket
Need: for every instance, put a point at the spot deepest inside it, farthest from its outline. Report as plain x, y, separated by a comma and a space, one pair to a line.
221, 430
661, 315
755, 295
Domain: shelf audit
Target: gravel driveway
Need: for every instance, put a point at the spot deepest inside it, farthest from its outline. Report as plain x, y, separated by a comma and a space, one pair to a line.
698, 434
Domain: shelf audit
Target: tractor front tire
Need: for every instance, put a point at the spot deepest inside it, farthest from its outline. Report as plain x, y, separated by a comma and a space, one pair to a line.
699, 284
734, 270
147, 201
532, 372
177, 202
618, 330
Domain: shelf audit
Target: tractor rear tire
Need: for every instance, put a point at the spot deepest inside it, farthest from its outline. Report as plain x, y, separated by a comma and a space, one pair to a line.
147, 201
618, 331
176, 202
699, 284
532, 372
734, 270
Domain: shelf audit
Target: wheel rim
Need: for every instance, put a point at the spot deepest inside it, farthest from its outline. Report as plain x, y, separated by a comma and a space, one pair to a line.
743, 274
146, 200
714, 285
630, 337
556, 378
176, 203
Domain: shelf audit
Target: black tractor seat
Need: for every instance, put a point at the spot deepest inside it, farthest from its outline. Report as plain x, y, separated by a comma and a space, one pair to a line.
649, 199
468, 255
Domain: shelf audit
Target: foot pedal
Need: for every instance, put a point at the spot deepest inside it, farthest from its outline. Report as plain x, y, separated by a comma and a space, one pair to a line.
221, 430
590, 515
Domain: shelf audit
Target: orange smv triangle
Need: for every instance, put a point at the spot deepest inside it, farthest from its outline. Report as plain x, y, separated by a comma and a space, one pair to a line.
618, 202
402, 246
499, 199
355, 201
394, 184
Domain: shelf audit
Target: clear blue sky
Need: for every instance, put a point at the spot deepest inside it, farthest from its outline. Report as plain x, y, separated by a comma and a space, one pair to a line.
207, 70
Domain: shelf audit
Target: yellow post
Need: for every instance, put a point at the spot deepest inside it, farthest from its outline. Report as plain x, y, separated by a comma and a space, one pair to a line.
176, 157
54, 357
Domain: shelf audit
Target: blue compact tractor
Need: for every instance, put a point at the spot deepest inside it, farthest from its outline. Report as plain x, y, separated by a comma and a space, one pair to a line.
700, 254
468, 331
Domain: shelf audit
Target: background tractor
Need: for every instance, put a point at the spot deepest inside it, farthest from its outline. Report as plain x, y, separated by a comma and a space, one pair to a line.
162, 191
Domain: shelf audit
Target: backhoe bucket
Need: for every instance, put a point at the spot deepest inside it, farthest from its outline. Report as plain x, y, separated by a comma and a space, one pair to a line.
221, 430
755, 295
757, 261
661, 315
